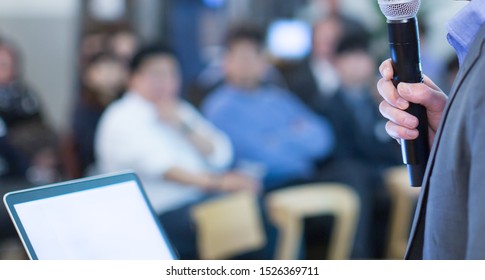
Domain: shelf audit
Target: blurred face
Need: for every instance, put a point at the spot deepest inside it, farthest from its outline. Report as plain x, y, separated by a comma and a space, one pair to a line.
326, 35
158, 80
244, 64
92, 44
107, 78
334, 6
7, 66
124, 45
356, 69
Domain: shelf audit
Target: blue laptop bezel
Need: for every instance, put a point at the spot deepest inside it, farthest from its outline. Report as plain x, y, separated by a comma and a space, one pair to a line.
22, 196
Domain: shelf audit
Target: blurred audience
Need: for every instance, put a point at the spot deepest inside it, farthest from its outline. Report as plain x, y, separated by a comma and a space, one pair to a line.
432, 65
105, 53
260, 130
180, 157
123, 43
266, 124
364, 150
353, 110
317, 75
28, 154
316, 10
103, 82
118, 39
342, 92
92, 42
213, 76
28, 144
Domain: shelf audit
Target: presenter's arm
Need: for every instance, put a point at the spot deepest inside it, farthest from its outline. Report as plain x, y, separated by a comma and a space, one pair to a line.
402, 125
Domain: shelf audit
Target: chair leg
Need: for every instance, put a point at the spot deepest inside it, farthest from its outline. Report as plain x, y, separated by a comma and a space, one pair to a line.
399, 227
343, 235
289, 240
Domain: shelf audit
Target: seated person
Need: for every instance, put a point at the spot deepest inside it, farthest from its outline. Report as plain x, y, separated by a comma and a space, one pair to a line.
353, 110
213, 76
28, 154
179, 156
123, 42
363, 150
317, 73
103, 81
28, 146
266, 124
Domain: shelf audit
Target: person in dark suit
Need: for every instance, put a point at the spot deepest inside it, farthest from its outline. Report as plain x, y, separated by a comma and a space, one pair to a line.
357, 160
449, 221
353, 109
316, 75
363, 151
103, 82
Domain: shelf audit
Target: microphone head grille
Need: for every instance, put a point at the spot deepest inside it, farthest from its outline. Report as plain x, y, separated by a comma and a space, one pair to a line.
399, 9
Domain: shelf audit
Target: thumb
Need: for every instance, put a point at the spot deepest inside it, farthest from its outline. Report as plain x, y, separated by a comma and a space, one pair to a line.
420, 93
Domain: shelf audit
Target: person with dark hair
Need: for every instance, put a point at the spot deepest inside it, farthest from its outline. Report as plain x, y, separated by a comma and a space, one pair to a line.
353, 109
28, 152
180, 157
17, 101
214, 76
103, 81
431, 64
21, 122
316, 75
353, 113
364, 150
266, 124
120, 40
123, 42
244, 31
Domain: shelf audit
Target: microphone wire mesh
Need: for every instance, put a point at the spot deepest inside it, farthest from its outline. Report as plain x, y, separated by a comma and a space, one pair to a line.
399, 9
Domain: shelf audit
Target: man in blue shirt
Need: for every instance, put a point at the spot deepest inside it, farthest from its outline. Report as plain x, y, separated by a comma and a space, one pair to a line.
449, 221
266, 124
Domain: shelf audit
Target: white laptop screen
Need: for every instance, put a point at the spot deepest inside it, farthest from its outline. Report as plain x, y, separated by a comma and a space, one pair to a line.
110, 222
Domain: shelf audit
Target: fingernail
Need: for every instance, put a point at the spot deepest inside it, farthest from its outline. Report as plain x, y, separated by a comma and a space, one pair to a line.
387, 71
411, 122
404, 88
402, 104
412, 133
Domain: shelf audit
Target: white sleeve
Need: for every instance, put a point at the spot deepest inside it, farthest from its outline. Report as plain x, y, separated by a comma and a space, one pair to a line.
222, 155
127, 142
152, 157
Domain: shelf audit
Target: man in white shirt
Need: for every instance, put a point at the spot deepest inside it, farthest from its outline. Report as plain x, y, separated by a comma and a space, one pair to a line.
178, 155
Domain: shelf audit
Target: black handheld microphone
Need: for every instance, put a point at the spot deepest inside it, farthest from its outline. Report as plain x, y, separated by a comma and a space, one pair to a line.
403, 33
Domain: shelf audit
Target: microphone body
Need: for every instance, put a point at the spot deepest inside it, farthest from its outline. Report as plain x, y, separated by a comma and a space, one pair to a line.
406, 61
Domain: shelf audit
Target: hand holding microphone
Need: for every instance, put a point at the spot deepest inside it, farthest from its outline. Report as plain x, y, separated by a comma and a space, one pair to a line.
415, 107
403, 125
